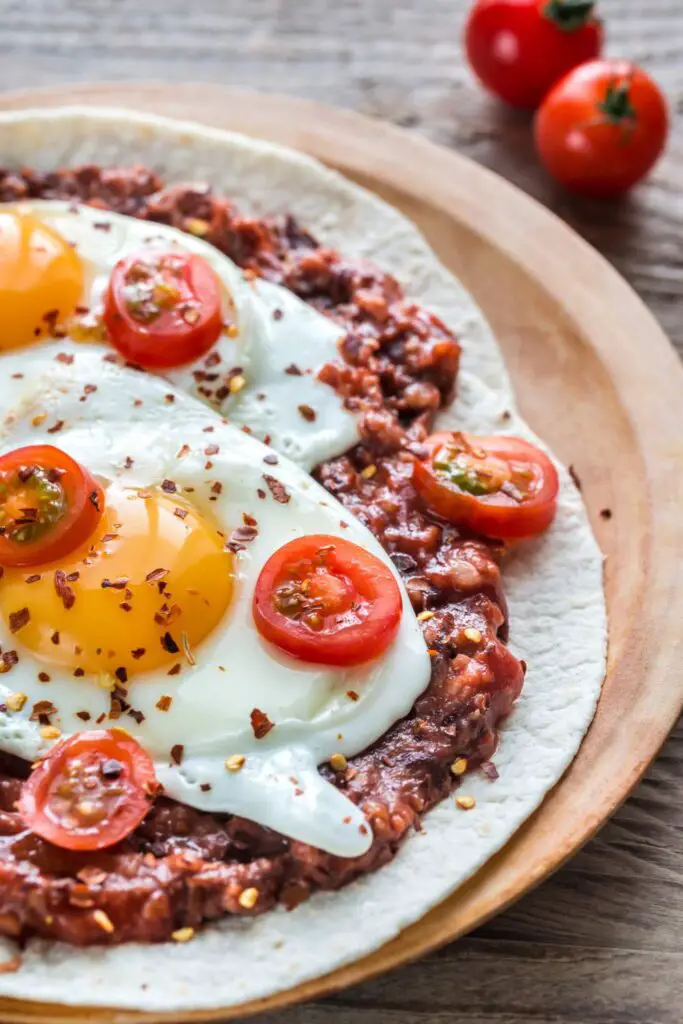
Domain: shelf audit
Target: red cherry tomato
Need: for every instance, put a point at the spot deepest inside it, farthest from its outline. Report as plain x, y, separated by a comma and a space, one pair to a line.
163, 309
520, 48
501, 487
602, 128
90, 791
327, 601
49, 505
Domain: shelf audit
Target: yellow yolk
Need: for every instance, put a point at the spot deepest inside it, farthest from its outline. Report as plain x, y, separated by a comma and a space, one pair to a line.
143, 594
41, 279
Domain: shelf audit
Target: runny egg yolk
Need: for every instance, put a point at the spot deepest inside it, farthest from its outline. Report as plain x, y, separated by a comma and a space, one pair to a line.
141, 595
41, 279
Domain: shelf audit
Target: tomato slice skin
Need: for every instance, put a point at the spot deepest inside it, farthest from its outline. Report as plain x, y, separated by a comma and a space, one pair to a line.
124, 781
68, 501
479, 504
163, 308
350, 596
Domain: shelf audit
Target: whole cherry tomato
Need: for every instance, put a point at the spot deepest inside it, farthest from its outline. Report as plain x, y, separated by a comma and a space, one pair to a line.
521, 48
602, 128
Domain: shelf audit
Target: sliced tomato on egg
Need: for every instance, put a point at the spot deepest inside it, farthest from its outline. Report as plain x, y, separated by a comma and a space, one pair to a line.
501, 487
163, 308
49, 505
325, 600
90, 791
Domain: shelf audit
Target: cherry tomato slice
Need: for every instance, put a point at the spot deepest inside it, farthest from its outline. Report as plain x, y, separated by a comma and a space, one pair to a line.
519, 49
602, 128
327, 601
163, 308
49, 505
90, 791
501, 487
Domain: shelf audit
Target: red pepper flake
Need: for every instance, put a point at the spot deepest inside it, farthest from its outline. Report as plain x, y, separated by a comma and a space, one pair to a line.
42, 711
277, 489
242, 535
211, 449
121, 674
137, 715
489, 769
249, 520
181, 513
271, 460
156, 574
78, 672
169, 398
72, 576
55, 637
137, 403
575, 477
352, 695
260, 723
94, 499
293, 370
8, 660
43, 677
56, 427
185, 450
64, 591
605, 513
278, 314
307, 412
119, 584
64, 357
164, 702
177, 751
169, 644
175, 670
128, 464
33, 579
126, 607
168, 486
102, 225
208, 464
205, 786
261, 493
216, 488
100, 719
17, 620
138, 652
83, 715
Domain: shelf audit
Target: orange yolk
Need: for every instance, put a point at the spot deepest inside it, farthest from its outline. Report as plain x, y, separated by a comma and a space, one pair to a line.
41, 279
143, 594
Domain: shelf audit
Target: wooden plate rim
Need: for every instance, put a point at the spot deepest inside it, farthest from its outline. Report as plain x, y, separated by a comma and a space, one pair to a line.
633, 350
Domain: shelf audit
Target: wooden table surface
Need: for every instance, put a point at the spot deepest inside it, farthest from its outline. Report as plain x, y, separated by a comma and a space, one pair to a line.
600, 942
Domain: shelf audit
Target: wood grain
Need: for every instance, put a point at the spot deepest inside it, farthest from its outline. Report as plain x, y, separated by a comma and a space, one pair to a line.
599, 942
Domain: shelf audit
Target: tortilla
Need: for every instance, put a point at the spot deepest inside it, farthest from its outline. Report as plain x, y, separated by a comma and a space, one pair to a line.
553, 586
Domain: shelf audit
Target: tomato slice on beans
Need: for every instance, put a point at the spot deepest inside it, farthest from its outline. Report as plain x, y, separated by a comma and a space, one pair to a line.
90, 791
49, 505
163, 308
325, 600
501, 487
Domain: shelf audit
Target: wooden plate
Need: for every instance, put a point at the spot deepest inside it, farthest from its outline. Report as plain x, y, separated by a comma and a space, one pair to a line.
595, 377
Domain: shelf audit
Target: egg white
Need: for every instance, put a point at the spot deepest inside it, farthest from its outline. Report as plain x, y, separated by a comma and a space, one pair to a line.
275, 329
236, 670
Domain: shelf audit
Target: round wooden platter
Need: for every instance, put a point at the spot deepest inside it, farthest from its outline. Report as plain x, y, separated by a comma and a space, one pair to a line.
595, 377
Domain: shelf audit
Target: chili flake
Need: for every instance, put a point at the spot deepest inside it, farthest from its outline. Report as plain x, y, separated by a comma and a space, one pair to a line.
260, 723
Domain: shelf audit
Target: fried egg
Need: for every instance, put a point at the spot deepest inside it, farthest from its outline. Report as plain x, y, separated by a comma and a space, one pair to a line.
57, 257
167, 647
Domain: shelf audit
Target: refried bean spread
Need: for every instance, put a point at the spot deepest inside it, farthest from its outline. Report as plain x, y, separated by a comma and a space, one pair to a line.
182, 867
